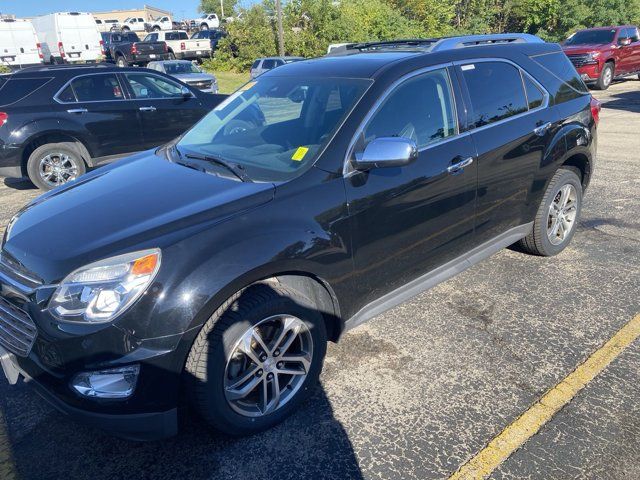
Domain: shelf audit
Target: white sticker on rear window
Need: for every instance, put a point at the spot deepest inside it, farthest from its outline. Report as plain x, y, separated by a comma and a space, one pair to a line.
468, 67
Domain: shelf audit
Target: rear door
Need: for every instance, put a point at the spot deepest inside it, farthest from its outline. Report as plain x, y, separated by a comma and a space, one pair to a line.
110, 120
511, 130
635, 49
79, 36
409, 220
164, 111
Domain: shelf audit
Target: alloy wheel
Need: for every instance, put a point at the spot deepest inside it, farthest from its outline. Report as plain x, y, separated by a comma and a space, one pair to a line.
268, 365
562, 214
57, 169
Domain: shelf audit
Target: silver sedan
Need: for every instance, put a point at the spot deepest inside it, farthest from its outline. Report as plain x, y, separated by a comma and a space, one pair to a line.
188, 73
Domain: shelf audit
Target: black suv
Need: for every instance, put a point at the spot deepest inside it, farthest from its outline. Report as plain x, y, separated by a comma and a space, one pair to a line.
217, 267
55, 121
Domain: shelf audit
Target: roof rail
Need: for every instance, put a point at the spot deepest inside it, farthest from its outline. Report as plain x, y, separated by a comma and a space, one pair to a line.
491, 39
382, 45
46, 68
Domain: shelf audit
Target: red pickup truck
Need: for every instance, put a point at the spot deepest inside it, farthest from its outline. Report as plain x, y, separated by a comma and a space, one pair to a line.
604, 53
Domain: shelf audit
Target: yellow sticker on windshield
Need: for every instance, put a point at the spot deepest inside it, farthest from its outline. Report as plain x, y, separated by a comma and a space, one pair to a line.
299, 154
247, 86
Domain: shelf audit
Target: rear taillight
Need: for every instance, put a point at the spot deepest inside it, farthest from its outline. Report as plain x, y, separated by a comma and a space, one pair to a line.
39, 50
102, 50
3, 118
183, 46
61, 49
134, 49
596, 106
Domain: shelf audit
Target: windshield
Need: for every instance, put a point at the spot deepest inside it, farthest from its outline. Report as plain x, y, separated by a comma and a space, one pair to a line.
275, 126
594, 37
181, 67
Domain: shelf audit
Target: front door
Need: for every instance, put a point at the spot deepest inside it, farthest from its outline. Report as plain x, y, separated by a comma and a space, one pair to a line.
406, 221
165, 111
109, 121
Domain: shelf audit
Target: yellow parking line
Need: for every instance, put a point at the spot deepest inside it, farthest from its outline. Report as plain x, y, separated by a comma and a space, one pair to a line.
530, 422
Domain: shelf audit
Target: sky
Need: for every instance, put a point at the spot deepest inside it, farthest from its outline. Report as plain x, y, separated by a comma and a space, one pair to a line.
29, 8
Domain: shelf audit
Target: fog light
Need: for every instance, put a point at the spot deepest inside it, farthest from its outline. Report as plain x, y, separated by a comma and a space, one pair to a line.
112, 383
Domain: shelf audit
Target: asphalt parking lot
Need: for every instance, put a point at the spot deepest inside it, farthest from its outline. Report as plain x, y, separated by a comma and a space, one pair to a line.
418, 391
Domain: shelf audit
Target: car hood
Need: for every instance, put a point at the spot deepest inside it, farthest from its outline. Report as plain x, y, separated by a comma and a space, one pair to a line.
194, 77
577, 49
144, 201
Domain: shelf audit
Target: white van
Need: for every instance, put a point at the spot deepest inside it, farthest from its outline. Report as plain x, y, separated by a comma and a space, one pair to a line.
69, 37
19, 45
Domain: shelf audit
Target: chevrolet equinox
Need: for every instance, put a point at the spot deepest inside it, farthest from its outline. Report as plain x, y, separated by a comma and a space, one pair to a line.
212, 271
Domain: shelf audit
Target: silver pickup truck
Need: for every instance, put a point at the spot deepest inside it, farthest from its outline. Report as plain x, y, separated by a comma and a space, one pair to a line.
180, 46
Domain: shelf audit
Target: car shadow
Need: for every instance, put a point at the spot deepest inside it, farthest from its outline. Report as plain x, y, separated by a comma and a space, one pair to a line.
19, 184
41, 443
628, 101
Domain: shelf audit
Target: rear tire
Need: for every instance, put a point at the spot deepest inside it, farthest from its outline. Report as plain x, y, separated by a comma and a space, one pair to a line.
121, 61
606, 76
55, 164
217, 360
171, 56
557, 219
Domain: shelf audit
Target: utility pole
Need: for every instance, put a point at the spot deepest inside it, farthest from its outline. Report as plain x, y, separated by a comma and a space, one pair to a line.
280, 33
221, 10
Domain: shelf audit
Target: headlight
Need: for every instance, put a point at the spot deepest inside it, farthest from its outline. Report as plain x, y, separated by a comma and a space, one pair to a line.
101, 291
592, 56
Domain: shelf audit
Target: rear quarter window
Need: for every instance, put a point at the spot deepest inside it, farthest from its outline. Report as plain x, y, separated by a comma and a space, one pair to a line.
15, 89
561, 67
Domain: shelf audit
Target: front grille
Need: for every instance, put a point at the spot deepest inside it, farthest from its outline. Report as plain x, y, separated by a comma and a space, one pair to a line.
17, 330
206, 84
579, 60
15, 271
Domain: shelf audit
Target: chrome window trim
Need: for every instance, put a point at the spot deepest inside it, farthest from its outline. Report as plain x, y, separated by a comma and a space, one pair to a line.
61, 89
545, 102
126, 99
347, 169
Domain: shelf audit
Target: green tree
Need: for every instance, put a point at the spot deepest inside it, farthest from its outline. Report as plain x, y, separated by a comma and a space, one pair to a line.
213, 6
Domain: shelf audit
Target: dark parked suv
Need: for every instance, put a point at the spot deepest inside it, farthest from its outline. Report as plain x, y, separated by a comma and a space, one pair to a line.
212, 271
55, 121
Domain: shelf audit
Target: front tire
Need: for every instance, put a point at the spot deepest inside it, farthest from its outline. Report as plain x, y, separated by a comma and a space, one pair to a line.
606, 76
557, 218
204, 26
172, 56
256, 359
54, 164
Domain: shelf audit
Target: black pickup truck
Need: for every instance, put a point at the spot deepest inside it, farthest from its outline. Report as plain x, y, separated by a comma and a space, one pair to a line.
125, 48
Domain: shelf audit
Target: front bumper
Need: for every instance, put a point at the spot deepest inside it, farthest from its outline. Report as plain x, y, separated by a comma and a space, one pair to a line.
589, 73
140, 426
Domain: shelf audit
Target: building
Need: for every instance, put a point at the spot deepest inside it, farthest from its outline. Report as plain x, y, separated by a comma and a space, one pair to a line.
147, 12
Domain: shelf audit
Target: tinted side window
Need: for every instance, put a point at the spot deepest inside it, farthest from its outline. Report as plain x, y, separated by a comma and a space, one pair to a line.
268, 64
67, 95
534, 96
16, 89
144, 85
633, 34
561, 67
496, 91
255, 64
420, 109
91, 88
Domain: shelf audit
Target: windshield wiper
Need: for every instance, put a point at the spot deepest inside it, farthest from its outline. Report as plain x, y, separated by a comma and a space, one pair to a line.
234, 168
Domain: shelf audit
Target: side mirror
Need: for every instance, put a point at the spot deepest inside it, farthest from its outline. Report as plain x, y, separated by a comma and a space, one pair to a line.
387, 152
186, 93
623, 42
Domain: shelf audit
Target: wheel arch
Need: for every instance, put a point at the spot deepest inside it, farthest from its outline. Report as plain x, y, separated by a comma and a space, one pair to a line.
581, 162
53, 137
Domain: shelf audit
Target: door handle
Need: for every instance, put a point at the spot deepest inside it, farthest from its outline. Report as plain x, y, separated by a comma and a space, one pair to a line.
147, 109
456, 167
542, 129
77, 110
